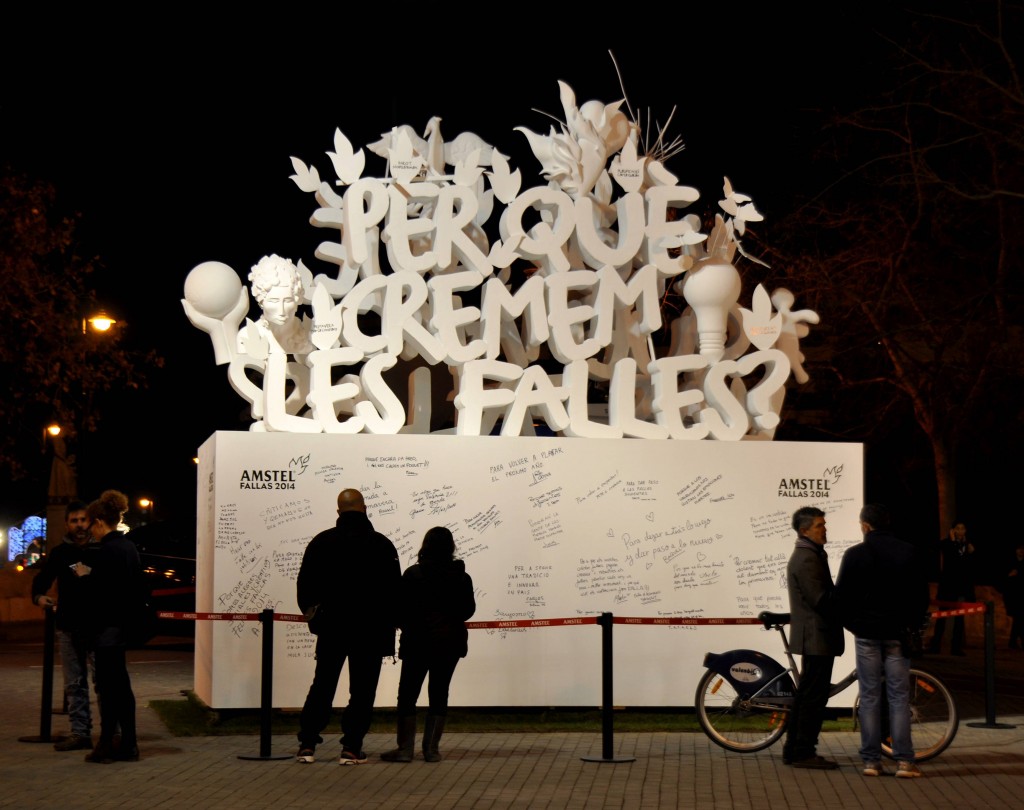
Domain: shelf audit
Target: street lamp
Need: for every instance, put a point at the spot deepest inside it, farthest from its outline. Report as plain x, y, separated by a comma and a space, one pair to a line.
63, 487
100, 322
146, 505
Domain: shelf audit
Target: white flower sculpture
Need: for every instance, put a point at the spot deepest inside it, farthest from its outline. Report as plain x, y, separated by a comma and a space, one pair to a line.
575, 157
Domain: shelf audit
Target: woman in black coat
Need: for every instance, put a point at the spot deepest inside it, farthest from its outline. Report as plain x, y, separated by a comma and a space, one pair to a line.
116, 604
436, 599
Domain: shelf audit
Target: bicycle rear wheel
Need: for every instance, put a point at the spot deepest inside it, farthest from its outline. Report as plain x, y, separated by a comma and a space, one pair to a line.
729, 721
934, 719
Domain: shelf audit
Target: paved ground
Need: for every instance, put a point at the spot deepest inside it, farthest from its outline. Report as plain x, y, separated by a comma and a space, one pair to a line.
983, 768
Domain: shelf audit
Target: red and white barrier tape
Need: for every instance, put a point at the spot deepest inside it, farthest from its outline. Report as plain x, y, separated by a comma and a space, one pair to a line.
960, 609
502, 624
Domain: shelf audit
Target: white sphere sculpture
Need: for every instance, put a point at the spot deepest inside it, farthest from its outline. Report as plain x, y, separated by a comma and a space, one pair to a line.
212, 289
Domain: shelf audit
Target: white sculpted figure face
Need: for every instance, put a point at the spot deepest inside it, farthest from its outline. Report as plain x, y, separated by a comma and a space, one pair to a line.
279, 305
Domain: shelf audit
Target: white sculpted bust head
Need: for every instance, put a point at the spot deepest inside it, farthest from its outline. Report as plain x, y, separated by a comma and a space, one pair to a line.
277, 288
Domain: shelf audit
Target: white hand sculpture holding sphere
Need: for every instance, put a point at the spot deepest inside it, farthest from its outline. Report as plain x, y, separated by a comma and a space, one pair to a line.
216, 302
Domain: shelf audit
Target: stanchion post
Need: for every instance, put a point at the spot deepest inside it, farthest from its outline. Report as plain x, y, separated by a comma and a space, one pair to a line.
990, 671
607, 621
266, 686
46, 703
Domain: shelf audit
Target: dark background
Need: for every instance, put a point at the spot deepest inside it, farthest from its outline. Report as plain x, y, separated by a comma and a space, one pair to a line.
172, 138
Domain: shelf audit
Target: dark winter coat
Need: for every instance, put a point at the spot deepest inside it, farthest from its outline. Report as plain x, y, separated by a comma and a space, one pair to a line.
436, 600
72, 590
956, 580
348, 583
1013, 591
116, 587
882, 587
814, 623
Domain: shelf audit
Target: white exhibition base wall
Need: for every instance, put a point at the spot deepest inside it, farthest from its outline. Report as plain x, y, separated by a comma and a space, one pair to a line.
549, 529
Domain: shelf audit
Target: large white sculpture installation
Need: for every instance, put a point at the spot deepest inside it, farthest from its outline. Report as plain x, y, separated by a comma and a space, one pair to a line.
571, 272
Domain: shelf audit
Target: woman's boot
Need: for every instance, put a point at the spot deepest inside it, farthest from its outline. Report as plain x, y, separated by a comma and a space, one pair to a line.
406, 741
431, 736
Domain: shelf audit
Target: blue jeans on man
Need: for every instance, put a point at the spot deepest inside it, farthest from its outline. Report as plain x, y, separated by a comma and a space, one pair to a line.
74, 659
875, 659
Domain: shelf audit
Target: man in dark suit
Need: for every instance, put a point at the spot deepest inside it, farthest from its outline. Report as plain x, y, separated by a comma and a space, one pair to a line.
816, 634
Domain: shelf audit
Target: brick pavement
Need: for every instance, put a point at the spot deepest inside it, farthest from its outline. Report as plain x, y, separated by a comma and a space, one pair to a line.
983, 768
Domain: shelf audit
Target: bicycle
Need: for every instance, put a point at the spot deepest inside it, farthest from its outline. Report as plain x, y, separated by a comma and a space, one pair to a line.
744, 698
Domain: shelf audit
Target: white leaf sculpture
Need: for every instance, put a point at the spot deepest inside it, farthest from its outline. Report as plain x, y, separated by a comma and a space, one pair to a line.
383, 147
485, 199
506, 184
252, 342
761, 327
326, 319
306, 277
406, 164
628, 169
306, 177
658, 175
468, 171
348, 165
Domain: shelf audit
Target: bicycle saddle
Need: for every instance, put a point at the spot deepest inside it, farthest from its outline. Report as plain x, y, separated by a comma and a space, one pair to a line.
769, 619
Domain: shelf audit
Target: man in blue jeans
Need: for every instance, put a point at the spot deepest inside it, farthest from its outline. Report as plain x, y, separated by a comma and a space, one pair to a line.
70, 621
881, 591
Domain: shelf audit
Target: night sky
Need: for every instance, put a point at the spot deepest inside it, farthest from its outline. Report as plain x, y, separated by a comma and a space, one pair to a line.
173, 139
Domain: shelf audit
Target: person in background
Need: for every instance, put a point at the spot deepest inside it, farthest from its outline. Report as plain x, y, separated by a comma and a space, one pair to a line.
956, 584
816, 635
34, 553
347, 589
71, 616
882, 591
116, 600
436, 600
1013, 599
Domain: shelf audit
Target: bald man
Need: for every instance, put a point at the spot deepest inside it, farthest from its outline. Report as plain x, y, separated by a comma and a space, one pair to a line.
347, 589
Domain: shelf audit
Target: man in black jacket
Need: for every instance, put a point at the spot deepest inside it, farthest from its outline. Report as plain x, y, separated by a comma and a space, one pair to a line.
882, 591
348, 590
71, 620
815, 634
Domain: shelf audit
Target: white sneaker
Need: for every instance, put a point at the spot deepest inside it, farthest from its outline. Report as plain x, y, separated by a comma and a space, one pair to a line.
908, 770
873, 769
305, 756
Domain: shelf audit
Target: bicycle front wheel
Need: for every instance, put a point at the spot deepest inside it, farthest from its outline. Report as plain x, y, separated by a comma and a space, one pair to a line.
729, 721
934, 719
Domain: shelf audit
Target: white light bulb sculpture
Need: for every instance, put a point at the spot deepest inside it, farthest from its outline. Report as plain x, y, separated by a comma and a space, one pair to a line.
711, 288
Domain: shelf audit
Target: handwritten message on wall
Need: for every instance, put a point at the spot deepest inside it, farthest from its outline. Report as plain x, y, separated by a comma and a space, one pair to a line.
548, 528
